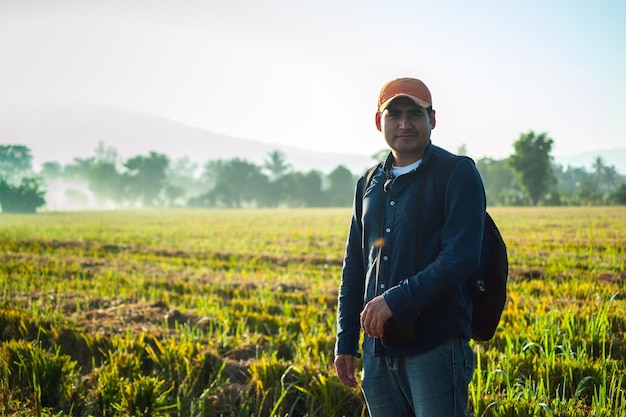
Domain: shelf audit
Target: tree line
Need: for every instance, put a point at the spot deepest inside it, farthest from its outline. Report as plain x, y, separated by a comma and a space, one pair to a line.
527, 177
153, 180
530, 177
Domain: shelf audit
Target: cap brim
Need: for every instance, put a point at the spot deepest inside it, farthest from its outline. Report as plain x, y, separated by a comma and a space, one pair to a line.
417, 101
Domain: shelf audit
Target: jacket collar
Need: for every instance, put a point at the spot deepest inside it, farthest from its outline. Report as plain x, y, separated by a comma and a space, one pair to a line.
389, 160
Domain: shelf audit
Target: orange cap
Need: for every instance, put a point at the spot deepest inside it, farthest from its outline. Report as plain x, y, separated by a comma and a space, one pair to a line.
404, 87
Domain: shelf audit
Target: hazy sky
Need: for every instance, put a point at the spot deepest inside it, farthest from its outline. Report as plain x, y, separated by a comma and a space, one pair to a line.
308, 73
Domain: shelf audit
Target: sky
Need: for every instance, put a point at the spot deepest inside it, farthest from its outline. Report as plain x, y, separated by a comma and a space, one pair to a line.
308, 73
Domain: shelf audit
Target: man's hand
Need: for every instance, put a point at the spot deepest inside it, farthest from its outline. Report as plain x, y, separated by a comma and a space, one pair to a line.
344, 366
374, 316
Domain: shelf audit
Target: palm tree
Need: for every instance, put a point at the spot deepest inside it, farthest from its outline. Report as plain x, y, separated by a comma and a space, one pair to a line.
276, 164
606, 177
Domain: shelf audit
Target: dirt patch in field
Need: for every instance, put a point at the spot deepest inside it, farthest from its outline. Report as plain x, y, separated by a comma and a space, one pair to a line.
618, 278
107, 317
112, 316
526, 274
117, 316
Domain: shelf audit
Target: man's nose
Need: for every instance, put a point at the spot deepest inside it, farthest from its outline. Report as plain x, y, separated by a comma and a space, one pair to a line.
405, 121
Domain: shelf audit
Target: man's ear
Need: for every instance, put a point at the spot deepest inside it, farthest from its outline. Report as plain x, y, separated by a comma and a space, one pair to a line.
378, 121
433, 119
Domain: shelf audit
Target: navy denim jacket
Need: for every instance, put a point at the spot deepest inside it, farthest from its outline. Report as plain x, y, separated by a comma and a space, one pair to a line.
425, 289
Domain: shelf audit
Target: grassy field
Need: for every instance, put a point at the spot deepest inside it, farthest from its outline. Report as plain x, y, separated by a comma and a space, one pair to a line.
232, 313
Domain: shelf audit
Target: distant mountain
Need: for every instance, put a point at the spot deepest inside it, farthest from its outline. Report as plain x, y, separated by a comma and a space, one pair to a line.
612, 157
63, 132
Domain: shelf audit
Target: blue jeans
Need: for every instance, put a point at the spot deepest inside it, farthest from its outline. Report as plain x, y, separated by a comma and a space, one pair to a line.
433, 384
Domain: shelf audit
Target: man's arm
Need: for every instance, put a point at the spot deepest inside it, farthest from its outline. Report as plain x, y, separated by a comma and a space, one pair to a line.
352, 288
460, 246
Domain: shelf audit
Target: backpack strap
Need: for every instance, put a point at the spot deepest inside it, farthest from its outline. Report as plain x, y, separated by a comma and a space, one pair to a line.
419, 229
361, 186
364, 182
369, 175
443, 175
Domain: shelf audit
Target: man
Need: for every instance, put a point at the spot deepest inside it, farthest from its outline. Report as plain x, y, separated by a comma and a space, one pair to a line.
404, 273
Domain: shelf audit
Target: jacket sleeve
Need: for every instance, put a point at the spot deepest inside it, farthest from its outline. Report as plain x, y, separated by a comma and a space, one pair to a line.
461, 242
352, 287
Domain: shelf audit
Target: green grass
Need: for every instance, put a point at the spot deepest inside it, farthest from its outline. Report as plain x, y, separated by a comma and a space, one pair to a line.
202, 313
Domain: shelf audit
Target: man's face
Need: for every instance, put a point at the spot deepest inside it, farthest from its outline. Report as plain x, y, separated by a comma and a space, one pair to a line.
406, 128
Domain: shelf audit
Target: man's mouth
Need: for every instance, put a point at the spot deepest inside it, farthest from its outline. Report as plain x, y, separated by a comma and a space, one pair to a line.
405, 135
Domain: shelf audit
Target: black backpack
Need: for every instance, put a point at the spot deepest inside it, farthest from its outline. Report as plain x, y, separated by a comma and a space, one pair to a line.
487, 285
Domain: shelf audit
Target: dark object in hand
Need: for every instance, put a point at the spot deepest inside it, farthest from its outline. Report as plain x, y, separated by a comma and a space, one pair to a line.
397, 336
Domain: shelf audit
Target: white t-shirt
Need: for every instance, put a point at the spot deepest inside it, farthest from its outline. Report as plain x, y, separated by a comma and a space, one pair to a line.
397, 171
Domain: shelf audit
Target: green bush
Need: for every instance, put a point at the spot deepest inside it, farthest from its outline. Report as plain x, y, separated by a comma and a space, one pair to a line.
25, 198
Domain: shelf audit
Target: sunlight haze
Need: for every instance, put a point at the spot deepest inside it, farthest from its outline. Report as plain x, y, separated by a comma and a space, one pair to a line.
307, 74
